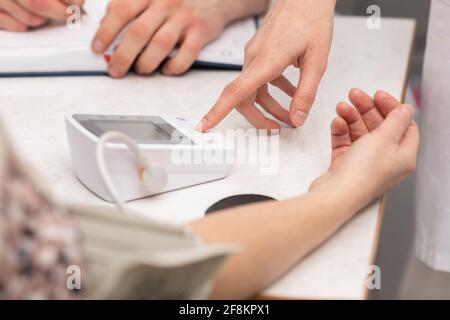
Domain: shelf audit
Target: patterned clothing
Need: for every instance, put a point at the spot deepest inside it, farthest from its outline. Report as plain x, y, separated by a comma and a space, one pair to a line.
38, 240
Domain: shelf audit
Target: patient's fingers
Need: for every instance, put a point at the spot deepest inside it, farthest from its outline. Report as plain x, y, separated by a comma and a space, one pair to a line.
385, 103
409, 144
354, 120
11, 24
395, 126
340, 139
366, 107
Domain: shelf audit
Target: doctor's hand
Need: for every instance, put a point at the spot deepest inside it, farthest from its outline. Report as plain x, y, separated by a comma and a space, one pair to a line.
374, 146
157, 27
295, 32
22, 15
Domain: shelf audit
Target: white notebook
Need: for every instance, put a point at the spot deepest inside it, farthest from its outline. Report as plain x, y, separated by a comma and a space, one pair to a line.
56, 49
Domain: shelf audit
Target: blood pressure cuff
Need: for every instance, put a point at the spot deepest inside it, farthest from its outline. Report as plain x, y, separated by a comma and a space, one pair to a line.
132, 257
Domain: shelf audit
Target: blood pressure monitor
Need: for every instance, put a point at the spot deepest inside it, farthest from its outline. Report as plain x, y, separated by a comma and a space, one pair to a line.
178, 155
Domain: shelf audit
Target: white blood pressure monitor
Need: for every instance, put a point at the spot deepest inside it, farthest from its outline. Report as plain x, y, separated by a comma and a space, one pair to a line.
182, 156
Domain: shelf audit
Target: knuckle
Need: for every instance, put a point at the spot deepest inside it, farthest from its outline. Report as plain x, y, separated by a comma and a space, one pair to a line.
169, 4
186, 17
193, 46
269, 61
250, 50
232, 90
198, 24
123, 10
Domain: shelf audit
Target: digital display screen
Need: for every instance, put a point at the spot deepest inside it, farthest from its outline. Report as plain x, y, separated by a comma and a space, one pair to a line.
139, 131
148, 130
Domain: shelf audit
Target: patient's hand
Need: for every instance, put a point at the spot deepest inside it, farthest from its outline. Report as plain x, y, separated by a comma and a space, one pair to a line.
374, 146
158, 26
22, 15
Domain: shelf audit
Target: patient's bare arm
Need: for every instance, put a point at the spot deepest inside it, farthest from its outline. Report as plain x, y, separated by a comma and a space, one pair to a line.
370, 154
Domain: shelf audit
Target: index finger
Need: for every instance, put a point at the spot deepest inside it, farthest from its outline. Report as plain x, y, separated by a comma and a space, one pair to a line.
250, 80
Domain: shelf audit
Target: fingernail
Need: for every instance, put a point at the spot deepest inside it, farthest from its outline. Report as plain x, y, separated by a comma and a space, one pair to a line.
97, 46
115, 72
299, 118
199, 127
355, 91
384, 94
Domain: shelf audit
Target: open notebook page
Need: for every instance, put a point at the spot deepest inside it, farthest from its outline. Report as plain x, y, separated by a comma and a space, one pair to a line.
54, 48
229, 48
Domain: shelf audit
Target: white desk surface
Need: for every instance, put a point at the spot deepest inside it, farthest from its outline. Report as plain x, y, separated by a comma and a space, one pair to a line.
33, 110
